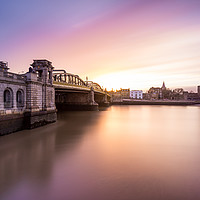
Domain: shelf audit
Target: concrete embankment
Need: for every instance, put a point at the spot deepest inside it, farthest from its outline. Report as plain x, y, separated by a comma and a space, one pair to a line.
155, 102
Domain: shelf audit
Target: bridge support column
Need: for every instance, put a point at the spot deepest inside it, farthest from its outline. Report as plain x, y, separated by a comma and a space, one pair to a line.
106, 103
92, 104
102, 99
40, 104
74, 100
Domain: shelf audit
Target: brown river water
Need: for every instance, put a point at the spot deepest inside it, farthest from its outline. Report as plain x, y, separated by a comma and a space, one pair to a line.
120, 153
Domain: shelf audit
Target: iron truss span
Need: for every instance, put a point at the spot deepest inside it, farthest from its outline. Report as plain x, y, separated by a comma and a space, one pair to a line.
67, 82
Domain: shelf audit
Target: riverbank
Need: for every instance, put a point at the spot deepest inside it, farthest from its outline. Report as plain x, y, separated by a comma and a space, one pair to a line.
154, 102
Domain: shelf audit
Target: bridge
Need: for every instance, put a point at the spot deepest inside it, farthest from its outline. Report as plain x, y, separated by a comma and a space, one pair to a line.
30, 100
71, 92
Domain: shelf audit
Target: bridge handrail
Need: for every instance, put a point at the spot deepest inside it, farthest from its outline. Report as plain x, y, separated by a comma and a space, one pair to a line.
68, 78
14, 76
74, 80
67, 73
95, 85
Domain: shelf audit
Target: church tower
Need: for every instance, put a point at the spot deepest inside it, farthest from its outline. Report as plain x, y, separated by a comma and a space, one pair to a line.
163, 86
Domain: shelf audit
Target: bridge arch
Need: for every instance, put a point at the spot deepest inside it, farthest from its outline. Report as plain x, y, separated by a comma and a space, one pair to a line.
68, 78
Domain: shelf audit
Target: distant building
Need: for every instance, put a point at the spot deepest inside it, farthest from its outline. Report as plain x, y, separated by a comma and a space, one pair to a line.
115, 96
156, 93
146, 96
136, 94
125, 93
119, 95
177, 94
192, 96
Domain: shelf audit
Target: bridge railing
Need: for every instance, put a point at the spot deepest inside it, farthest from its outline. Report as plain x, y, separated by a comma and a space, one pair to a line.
75, 80
95, 86
14, 76
68, 78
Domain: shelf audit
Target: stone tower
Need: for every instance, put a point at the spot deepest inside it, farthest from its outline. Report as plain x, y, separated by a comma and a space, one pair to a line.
3, 66
44, 69
40, 104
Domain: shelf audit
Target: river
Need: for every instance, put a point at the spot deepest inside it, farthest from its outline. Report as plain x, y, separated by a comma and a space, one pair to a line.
119, 153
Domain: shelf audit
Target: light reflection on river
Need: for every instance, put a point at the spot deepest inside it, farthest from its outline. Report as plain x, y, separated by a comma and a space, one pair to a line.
123, 153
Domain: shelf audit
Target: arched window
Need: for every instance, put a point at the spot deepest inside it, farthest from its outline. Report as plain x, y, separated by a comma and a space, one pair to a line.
8, 98
20, 98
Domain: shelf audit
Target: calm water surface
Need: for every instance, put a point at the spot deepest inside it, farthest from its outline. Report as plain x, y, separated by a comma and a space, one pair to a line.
122, 153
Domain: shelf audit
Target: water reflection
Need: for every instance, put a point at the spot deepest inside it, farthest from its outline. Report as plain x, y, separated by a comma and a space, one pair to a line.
29, 155
125, 152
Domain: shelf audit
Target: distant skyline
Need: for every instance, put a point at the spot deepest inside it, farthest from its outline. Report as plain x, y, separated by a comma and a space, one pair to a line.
132, 44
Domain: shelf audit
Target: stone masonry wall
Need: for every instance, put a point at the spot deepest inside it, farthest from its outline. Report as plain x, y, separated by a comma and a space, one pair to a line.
34, 96
50, 98
13, 85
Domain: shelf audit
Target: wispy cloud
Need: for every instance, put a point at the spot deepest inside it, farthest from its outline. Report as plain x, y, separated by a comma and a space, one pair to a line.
151, 39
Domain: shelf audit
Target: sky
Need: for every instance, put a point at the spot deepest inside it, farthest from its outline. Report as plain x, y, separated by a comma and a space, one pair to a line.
132, 44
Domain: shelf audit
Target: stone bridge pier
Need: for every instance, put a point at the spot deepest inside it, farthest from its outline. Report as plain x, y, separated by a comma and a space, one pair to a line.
75, 100
103, 100
40, 104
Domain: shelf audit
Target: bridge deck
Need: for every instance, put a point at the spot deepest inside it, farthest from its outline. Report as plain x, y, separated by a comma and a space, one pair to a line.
63, 86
